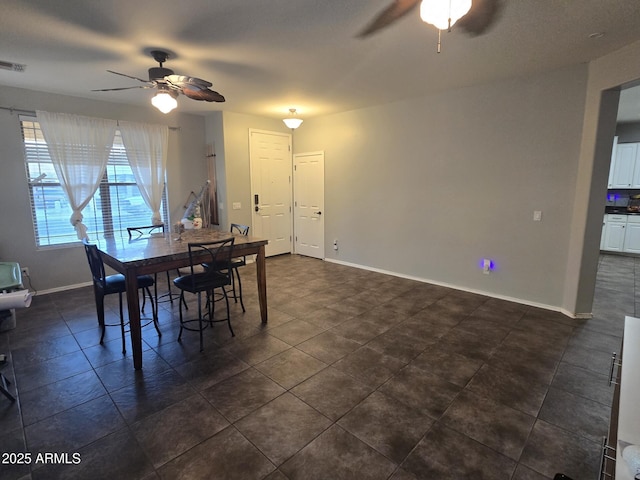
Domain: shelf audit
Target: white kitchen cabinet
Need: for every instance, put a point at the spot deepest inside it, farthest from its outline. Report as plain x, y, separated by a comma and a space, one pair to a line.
620, 233
625, 170
614, 233
632, 234
625, 166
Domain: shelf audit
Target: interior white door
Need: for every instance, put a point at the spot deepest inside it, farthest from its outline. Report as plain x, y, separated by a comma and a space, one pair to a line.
308, 204
271, 165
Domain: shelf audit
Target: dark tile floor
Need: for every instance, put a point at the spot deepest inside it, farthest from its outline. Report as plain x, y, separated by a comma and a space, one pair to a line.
358, 375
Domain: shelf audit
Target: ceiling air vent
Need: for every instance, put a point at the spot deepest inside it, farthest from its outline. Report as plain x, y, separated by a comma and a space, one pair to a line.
16, 67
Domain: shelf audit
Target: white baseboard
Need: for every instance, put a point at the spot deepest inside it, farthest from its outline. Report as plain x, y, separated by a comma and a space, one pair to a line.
63, 289
470, 290
521, 301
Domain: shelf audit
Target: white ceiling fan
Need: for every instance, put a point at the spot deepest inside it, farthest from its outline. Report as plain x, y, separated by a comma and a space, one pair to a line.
474, 17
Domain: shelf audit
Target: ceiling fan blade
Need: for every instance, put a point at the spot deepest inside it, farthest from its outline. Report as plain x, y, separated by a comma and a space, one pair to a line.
395, 11
481, 17
122, 88
129, 76
202, 94
180, 81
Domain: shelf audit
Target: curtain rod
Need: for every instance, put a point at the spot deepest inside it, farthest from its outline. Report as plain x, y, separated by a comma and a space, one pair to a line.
18, 110
13, 110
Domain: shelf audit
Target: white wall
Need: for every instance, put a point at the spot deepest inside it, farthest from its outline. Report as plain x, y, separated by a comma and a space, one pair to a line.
430, 186
60, 267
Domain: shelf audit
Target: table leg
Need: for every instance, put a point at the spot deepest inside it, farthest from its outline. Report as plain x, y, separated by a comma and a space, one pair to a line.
261, 271
133, 303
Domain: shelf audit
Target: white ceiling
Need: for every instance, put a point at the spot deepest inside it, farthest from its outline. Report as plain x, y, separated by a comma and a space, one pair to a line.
267, 56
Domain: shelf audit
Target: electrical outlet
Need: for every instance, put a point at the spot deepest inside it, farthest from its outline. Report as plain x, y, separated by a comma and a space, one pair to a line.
25, 271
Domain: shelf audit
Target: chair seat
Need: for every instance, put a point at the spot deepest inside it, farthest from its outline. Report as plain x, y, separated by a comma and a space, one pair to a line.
116, 283
201, 282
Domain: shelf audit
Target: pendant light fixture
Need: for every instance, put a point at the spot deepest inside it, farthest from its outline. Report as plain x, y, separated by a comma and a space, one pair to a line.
293, 121
165, 100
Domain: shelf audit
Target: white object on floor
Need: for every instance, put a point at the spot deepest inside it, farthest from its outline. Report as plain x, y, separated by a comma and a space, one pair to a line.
17, 299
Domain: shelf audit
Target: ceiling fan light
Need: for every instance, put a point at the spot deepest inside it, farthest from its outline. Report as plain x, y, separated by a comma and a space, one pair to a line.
438, 12
292, 122
164, 101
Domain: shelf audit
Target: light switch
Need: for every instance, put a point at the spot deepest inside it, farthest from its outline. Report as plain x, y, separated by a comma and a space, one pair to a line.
237, 205
537, 216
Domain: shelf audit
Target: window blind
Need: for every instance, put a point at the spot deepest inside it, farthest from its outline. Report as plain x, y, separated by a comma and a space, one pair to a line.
116, 205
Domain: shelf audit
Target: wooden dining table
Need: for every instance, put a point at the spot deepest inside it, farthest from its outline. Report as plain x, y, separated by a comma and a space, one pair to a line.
167, 251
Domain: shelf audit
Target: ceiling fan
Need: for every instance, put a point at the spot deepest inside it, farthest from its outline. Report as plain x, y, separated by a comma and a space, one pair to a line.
474, 17
169, 85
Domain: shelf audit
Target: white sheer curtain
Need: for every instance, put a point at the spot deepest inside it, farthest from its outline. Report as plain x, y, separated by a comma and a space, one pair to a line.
146, 147
79, 148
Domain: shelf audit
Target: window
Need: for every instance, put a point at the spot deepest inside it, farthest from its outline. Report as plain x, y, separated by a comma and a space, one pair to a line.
116, 205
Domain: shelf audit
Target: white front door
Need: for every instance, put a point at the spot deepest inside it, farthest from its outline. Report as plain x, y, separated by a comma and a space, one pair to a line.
308, 205
270, 158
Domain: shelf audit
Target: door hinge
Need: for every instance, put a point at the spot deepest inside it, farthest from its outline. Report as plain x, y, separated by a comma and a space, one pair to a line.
289, 147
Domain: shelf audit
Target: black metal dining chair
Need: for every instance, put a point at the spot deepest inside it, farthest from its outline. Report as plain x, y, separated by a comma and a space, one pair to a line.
236, 263
141, 232
200, 281
104, 285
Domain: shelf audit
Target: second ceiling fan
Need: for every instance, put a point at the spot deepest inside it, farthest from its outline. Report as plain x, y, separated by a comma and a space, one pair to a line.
474, 17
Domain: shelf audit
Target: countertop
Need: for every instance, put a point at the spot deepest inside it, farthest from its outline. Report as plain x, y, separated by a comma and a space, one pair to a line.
619, 211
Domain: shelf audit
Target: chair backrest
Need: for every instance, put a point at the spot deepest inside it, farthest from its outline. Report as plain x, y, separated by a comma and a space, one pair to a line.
95, 264
217, 253
148, 230
240, 229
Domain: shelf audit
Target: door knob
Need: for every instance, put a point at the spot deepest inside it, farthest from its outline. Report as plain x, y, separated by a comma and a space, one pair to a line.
317, 213
257, 208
